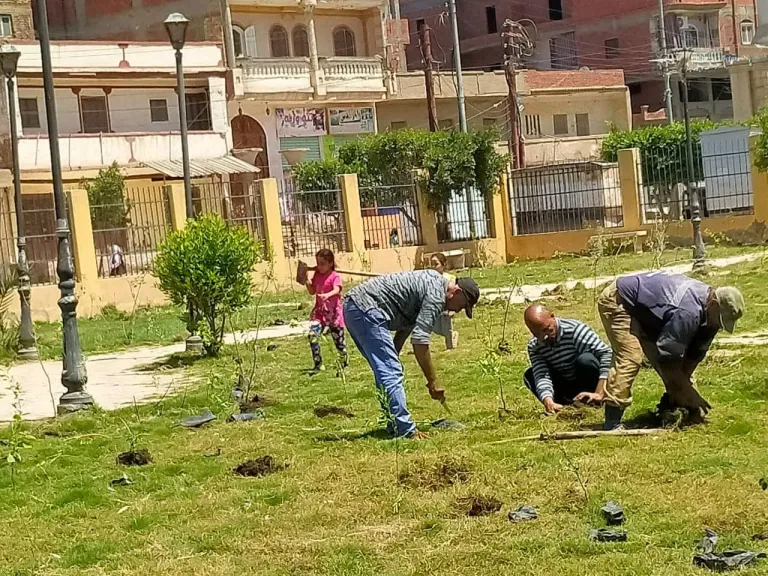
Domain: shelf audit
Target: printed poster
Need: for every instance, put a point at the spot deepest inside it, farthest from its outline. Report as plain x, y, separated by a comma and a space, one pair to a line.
298, 122
352, 120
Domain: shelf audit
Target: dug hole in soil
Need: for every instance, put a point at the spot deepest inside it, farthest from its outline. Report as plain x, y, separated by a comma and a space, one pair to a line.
325, 411
140, 457
436, 475
255, 403
260, 467
478, 505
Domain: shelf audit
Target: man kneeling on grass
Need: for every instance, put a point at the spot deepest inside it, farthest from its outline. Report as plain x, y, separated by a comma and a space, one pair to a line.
408, 303
567, 358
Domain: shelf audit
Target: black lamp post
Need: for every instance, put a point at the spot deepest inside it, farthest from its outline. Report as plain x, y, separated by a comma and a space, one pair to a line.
74, 376
176, 27
9, 60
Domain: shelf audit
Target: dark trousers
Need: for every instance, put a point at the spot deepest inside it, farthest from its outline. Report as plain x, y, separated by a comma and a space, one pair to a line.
587, 369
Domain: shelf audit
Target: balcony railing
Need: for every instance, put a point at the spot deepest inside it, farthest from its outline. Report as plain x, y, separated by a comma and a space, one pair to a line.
702, 58
95, 150
291, 75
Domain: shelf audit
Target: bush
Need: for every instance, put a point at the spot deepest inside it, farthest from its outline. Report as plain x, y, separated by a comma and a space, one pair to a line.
106, 195
208, 265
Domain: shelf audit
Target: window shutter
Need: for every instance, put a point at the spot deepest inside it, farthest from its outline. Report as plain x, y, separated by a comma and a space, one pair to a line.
250, 41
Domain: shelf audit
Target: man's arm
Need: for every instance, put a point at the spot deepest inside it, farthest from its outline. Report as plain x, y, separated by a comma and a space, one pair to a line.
544, 389
424, 358
587, 340
676, 336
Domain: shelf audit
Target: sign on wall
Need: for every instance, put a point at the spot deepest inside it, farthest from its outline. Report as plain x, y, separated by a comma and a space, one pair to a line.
351, 120
300, 122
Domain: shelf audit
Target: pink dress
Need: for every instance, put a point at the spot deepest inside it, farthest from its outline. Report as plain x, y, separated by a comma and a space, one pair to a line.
327, 312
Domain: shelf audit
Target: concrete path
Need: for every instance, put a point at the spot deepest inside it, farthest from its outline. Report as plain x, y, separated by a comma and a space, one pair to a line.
114, 380
122, 378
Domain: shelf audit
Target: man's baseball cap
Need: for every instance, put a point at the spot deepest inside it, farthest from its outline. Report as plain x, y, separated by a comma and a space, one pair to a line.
731, 306
471, 292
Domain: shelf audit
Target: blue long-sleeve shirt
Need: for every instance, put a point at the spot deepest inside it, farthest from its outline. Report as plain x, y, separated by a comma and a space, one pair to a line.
672, 311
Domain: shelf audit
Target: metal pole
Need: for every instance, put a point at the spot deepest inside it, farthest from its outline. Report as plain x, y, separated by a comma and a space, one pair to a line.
693, 190
74, 376
665, 65
184, 134
736, 39
457, 66
426, 55
27, 345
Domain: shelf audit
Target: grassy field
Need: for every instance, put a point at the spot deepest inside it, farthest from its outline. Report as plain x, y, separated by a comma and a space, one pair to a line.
164, 325
354, 503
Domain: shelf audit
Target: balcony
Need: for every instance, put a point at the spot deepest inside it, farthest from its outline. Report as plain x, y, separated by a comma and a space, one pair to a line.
293, 75
700, 59
96, 150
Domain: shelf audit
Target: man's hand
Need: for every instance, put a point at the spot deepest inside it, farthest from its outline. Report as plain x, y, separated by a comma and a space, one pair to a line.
435, 392
551, 406
590, 398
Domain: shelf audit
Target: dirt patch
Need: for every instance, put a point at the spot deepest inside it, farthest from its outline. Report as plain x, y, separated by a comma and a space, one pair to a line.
255, 403
437, 475
478, 505
326, 411
260, 467
571, 414
140, 457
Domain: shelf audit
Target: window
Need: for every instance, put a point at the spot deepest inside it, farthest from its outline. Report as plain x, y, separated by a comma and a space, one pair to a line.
555, 9
490, 19
635, 89
343, 42
489, 122
698, 91
94, 114
398, 125
721, 89
612, 48
560, 122
747, 31
158, 110
582, 124
690, 37
420, 24
300, 41
239, 41
446, 124
198, 112
6, 25
30, 117
532, 125
278, 42
562, 52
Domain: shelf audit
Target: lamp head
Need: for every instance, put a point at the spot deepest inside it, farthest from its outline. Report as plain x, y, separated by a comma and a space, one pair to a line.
176, 26
9, 60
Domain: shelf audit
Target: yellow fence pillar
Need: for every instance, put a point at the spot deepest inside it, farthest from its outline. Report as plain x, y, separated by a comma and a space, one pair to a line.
178, 205
629, 180
353, 218
506, 214
81, 233
273, 225
759, 185
428, 220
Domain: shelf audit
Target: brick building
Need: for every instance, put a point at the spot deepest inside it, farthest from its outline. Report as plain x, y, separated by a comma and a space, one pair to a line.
16, 20
571, 34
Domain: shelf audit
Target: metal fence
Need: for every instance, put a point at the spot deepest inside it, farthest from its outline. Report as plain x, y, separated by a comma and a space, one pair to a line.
572, 196
390, 216
40, 227
466, 216
312, 219
127, 231
236, 202
721, 174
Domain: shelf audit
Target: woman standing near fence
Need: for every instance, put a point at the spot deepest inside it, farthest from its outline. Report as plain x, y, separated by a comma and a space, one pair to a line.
444, 324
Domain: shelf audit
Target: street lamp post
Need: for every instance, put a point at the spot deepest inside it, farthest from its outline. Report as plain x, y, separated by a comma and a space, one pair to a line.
74, 376
176, 27
9, 60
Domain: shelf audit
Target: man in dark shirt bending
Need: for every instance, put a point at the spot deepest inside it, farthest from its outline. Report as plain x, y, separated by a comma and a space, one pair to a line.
673, 320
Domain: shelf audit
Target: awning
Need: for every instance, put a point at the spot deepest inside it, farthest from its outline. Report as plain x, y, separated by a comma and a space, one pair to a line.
200, 168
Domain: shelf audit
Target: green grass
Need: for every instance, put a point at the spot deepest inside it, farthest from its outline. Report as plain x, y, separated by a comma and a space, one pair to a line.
114, 330
339, 508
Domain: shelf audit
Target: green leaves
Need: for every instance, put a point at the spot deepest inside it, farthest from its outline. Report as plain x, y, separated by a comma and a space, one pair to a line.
106, 195
208, 264
764, 483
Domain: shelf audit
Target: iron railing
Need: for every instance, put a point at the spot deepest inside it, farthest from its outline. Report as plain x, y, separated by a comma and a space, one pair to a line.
390, 216
466, 216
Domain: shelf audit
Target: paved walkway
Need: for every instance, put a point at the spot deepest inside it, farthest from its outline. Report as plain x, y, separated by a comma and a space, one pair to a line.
122, 378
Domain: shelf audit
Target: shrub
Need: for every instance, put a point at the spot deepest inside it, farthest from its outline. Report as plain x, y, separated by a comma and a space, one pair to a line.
106, 195
208, 265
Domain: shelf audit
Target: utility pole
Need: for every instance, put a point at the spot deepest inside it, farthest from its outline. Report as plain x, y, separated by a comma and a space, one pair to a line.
693, 190
736, 39
457, 67
665, 63
426, 57
516, 43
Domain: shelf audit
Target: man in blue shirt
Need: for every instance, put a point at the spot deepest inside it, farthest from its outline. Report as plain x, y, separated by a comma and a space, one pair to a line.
673, 320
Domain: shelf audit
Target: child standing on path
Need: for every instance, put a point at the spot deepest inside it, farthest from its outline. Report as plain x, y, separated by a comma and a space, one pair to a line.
326, 286
444, 323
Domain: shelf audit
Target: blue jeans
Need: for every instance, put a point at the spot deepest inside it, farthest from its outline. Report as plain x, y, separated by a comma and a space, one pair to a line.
373, 338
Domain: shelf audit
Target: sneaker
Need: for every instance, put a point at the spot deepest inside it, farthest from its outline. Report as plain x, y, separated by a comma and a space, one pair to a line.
316, 370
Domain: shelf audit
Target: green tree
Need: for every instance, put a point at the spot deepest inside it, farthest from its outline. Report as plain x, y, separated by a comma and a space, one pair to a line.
106, 195
208, 265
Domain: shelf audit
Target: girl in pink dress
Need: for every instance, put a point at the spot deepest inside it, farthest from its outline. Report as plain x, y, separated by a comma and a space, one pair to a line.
326, 286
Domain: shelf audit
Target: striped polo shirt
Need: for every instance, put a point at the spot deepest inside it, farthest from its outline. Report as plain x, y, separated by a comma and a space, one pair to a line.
574, 338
